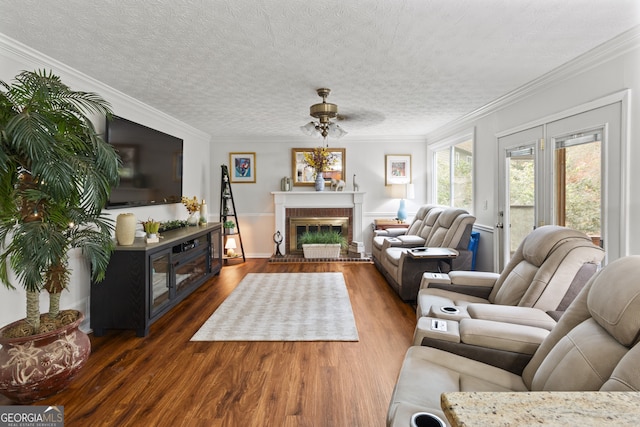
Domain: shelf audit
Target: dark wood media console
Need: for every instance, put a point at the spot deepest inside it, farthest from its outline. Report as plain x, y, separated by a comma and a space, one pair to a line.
144, 281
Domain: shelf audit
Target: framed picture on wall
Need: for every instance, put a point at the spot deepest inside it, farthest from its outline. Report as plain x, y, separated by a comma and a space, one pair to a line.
397, 169
242, 167
304, 174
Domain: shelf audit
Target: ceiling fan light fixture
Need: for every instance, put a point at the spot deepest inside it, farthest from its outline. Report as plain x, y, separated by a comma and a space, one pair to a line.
308, 129
335, 131
324, 112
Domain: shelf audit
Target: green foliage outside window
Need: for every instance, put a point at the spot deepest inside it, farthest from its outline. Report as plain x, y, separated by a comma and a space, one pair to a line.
458, 193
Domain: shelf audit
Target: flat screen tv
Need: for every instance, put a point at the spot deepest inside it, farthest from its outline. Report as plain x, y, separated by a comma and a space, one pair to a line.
151, 171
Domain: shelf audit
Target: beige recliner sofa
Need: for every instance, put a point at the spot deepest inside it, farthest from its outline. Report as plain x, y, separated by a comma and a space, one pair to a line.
593, 347
415, 234
546, 271
439, 228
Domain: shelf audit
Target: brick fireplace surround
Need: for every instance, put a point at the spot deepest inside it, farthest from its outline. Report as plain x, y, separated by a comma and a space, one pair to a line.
321, 204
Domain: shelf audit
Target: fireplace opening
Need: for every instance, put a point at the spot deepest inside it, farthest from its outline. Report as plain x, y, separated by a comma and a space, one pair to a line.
300, 225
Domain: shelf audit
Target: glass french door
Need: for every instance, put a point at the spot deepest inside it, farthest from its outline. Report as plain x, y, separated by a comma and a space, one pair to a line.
578, 183
518, 190
587, 178
567, 172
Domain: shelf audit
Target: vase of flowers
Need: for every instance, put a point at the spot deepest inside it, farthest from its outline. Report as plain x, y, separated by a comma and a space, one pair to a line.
320, 159
193, 207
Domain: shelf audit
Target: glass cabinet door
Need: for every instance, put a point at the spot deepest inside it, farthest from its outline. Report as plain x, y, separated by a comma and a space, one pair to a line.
191, 270
160, 281
216, 250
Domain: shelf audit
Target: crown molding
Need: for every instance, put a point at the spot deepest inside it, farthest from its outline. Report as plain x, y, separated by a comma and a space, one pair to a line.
611, 49
34, 59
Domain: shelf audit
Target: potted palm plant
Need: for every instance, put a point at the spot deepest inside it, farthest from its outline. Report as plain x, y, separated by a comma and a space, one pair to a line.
55, 177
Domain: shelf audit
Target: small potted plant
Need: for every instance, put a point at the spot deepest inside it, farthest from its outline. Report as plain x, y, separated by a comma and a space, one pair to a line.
229, 227
151, 227
322, 244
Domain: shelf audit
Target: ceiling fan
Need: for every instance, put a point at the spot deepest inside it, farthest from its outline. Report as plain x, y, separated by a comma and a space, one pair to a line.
324, 112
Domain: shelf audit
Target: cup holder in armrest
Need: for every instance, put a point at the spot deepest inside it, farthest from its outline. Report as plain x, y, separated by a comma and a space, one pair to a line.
449, 310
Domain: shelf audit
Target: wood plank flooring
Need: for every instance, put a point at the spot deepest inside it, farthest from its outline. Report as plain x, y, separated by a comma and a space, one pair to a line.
166, 380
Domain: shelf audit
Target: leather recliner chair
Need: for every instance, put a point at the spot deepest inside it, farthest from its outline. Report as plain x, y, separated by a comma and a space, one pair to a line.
594, 347
546, 272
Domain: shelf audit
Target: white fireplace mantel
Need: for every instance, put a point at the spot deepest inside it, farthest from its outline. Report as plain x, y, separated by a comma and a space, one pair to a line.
318, 199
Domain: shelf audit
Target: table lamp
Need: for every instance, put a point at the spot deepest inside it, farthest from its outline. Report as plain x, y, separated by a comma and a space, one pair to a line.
230, 245
402, 192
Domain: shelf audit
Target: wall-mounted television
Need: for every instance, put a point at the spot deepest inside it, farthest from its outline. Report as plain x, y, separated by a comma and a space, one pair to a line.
151, 171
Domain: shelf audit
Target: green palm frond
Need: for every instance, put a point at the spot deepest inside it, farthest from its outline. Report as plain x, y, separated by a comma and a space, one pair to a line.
56, 173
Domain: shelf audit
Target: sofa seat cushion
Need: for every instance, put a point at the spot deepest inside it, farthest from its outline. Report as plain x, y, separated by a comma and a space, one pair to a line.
379, 241
426, 373
392, 256
440, 298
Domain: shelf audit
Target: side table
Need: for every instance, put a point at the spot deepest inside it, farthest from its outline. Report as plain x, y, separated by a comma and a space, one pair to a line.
384, 223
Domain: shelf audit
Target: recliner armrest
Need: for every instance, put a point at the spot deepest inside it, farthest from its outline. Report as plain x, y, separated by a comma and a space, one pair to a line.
429, 279
480, 289
410, 240
502, 336
527, 316
445, 312
474, 278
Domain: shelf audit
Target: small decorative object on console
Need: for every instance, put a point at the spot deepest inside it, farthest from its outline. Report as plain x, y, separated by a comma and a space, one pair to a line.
192, 206
151, 227
204, 213
125, 229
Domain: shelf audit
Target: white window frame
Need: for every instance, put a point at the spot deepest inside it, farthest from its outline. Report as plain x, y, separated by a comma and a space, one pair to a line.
449, 143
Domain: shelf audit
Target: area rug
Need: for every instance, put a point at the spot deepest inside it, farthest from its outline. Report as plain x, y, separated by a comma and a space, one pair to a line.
284, 307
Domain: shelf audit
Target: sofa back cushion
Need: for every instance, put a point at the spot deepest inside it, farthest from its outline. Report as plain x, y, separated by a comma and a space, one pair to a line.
418, 220
581, 361
450, 229
594, 335
429, 222
543, 267
626, 375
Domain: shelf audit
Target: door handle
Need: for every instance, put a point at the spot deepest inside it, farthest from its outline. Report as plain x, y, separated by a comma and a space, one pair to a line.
500, 218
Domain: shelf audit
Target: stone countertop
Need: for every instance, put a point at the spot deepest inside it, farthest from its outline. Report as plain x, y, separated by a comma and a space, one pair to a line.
564, 409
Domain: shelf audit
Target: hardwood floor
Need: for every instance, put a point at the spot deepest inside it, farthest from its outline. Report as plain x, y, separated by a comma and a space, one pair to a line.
164, 379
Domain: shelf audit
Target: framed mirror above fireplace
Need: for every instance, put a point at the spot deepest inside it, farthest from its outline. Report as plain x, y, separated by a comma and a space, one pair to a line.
304, 175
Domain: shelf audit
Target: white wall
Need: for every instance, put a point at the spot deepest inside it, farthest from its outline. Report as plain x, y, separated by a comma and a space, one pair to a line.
609, 69
364, 157
14, 58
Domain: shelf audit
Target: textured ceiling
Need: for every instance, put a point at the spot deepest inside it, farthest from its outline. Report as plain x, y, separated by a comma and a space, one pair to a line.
251, 67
